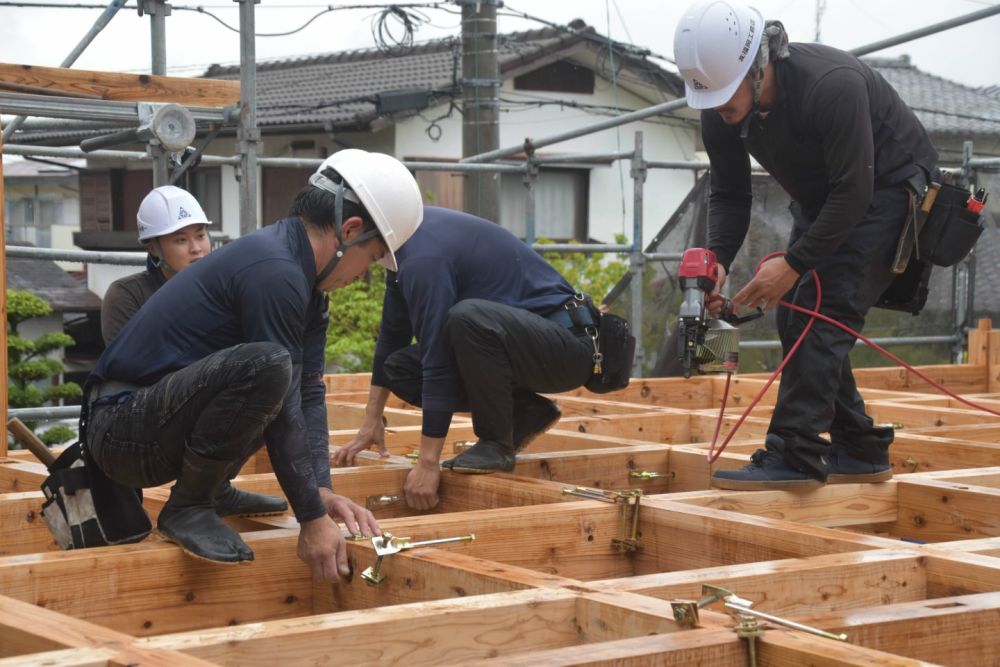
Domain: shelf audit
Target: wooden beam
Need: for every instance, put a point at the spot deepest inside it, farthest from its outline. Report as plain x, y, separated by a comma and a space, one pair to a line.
797, 586
3, 307
782, 648
610, 468
939, 511
124, 87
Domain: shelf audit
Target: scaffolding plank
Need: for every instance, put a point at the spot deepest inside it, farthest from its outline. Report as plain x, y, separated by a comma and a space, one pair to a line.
198, 92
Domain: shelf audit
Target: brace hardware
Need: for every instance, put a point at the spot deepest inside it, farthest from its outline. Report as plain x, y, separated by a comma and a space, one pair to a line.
375, 502
911, 463
644, 474
686, 611
388, 544
894, 425
742, 608
629, 541
592, 494
749, 628
414, 456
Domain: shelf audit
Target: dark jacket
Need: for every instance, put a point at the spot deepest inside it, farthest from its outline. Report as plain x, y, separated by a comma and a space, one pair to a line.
837, 131
259, 288
125, 297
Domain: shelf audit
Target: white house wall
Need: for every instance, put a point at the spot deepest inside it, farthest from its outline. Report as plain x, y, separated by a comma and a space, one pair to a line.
664, 190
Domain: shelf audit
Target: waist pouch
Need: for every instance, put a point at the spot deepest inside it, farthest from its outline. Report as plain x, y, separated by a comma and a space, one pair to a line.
83, 508
951, 230
614, 356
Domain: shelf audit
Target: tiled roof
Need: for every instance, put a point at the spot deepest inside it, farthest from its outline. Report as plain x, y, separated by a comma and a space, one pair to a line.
45, 279
943, 106
340, 88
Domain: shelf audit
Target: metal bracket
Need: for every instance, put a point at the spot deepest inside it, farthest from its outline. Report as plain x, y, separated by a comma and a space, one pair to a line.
629, 541
388, 544
644, 474
375, 502
686, 611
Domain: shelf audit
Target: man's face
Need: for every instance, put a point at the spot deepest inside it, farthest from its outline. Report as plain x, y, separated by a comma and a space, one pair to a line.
736, 109
184, 247
356, 260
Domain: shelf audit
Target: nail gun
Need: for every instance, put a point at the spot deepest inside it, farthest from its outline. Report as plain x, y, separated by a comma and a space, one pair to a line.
706, 344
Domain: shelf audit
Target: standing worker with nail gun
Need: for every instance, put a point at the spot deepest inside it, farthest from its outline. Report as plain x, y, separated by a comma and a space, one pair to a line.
837, 137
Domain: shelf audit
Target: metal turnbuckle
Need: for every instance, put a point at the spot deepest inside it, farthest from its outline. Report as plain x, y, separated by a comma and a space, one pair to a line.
629, 500
644, 474
388, 544
375, 502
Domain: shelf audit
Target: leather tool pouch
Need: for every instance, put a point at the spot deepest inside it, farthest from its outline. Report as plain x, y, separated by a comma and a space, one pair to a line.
951, 230
614, 357
83, 508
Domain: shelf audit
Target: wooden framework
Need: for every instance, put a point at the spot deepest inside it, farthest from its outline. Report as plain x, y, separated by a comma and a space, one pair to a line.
908, 569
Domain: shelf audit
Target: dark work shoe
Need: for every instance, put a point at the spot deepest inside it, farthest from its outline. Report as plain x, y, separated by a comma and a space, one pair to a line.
483, 457
766, 471
533, 416
201, 533
236, 502
846, 469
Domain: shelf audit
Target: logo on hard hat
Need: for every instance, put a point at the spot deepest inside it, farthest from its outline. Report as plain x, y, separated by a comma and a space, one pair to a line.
698, 85
746, 45
181, 213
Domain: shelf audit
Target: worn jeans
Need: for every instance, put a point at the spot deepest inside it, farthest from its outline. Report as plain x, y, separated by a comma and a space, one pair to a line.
502, 354
218, 407
817, 392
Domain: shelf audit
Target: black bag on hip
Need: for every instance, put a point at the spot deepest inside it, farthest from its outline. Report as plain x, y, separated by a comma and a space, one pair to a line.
84, 508
616, 347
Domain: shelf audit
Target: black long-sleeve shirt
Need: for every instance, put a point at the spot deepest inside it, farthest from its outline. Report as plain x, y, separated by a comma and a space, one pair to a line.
836, 132
125, 296
259, 288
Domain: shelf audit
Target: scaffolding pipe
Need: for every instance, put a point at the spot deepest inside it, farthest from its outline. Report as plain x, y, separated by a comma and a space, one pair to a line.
889, 340
76, 108
941, 26
624, 119
988, 162
99, 25
45, 414
637, 263
248, 134
89, 256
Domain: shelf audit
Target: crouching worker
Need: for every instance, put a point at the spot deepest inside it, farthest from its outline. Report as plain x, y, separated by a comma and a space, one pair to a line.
494, 324
173, 228
230, 352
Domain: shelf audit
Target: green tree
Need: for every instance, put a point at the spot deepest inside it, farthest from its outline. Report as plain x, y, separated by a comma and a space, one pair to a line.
356, 310
593, 273
28, 363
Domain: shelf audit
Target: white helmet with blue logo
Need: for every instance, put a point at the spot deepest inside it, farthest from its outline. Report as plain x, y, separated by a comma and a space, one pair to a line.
165, 210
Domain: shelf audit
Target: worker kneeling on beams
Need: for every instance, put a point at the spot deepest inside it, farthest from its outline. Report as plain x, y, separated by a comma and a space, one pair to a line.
495, 324
230, 352
854, 159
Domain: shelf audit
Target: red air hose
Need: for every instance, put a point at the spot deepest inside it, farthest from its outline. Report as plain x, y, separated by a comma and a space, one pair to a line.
814, 315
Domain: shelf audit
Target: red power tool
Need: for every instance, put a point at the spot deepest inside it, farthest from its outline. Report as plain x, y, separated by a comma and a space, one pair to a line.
706, 344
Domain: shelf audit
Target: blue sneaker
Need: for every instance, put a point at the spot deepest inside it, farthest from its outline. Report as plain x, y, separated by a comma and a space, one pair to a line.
767, 471
846, 469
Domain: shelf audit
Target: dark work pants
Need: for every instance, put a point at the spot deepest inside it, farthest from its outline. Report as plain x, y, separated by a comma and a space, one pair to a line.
817, 392
502, 355
218, 407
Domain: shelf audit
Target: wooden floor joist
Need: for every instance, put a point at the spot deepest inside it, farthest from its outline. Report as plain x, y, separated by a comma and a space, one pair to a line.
909, 569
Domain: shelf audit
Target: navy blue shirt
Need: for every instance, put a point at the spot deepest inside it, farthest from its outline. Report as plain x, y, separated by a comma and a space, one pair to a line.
259, 288
454, 256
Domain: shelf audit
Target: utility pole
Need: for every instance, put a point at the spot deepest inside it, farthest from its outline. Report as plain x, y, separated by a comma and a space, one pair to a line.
820, 10
248, 134
480, 98
158, 11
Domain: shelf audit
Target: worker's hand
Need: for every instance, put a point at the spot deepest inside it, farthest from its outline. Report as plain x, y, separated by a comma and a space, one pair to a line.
421, 487
715, 305
372, 432
323, 549
774, 279
359, 521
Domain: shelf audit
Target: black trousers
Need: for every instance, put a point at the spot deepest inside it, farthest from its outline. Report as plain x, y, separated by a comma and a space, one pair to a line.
817, 392
502, 355
218, 407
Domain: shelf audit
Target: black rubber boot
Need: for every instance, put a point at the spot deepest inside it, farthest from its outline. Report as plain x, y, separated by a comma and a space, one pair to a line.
533, 416
237, 502
188, 518
483, 457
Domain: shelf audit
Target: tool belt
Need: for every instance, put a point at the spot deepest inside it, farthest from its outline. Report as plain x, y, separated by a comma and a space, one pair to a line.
939, 229
84, 508
614, 344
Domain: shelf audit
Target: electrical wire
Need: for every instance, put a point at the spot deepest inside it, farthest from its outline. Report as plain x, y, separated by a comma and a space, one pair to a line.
814, 315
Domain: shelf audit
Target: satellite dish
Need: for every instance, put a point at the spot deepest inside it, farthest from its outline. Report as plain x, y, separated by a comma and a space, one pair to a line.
173, 125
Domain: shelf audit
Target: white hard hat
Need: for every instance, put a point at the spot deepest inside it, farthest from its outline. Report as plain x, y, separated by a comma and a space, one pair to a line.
386, 189
715, 44
165, 210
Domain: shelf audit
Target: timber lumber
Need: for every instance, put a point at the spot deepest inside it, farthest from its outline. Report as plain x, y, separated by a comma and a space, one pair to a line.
199, 92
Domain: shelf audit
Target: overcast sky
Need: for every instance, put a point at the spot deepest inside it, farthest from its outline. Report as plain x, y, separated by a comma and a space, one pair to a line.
969, 54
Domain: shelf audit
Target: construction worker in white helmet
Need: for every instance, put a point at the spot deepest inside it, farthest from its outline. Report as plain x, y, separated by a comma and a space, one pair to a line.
855, 161
174, 230
230, 352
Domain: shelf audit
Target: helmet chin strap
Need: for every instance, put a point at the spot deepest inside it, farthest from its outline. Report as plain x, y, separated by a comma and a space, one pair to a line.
159, 259
339, 192
774, 39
